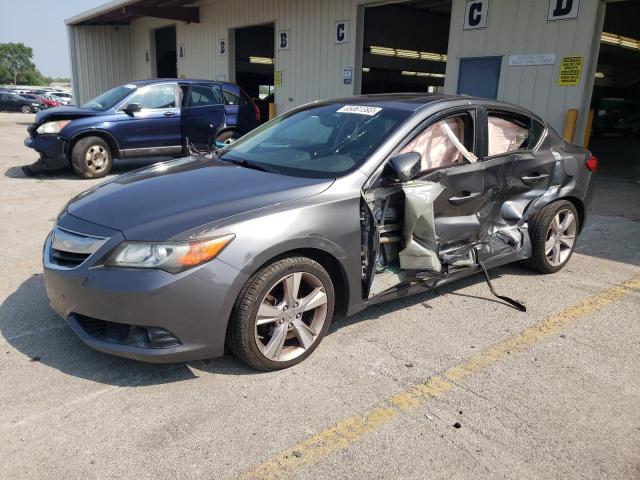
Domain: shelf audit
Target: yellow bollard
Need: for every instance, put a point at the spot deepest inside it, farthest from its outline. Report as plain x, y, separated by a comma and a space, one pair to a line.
587, 132
570, 124
272, 110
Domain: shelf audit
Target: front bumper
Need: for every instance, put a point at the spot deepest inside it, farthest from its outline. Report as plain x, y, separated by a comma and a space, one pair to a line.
193, 306
48, 146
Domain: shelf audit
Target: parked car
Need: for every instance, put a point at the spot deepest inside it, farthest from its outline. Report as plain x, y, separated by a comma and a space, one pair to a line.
15, 103
42, 100
323, 211
145, 118
53, 99
65, 97
622, 119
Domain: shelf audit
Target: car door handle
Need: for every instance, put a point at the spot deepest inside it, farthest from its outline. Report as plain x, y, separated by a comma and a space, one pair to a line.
169, 114
534, 178
465, 197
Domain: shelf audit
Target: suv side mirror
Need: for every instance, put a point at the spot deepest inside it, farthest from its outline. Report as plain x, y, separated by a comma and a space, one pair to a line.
132, 108
406, 166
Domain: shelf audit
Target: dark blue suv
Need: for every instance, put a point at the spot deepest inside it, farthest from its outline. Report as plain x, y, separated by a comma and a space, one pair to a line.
143, 119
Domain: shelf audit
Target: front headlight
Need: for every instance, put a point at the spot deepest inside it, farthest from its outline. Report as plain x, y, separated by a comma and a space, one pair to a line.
172, 257
52, 127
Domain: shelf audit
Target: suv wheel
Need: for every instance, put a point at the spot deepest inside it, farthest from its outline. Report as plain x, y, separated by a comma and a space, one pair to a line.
553, 237
282, 314
26, 109
228, 137
91, 157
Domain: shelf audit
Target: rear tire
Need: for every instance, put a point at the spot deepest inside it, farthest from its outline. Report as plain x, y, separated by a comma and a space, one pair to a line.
553, 234
26, 109
264, 310
91, 157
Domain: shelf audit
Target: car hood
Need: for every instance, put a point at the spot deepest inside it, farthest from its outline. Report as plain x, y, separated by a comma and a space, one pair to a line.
64, 112
169, 198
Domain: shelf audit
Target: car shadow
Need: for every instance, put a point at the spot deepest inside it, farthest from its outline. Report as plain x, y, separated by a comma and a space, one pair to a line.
32, 328
60, 169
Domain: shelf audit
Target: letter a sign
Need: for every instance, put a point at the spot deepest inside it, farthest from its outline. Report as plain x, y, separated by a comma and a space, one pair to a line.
475, 14
563, 9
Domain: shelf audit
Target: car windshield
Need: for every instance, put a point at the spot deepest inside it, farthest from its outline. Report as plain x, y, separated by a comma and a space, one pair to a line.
110, 98
323, 142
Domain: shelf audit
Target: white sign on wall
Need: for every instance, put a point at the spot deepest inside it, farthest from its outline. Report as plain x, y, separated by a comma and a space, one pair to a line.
222, 46
283, 40
475, 14
532, 59
563, 9
341, 31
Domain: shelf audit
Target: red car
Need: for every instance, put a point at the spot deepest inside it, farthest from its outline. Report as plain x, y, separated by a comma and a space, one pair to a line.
45, 102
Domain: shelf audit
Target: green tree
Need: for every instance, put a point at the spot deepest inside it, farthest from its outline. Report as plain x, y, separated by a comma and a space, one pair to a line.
15, 58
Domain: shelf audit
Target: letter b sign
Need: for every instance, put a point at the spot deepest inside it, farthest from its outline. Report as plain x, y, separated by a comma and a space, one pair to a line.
475, 14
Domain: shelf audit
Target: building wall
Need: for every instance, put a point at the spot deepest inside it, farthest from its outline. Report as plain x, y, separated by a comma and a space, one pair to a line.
312, 67
521, 27
100, 59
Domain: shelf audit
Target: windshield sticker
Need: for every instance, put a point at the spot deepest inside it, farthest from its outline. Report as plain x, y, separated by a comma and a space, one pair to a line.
359, 109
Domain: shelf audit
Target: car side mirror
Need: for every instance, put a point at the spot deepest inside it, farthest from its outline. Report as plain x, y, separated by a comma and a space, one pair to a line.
132, 108
406, 166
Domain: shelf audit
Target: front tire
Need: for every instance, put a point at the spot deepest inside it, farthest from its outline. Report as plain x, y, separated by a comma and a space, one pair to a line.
91, 157
282, 314
553, 232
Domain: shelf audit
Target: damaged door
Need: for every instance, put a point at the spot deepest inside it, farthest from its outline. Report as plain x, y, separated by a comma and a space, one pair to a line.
516, 174
428, 225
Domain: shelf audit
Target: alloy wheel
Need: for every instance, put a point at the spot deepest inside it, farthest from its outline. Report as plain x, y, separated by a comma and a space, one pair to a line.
96, 158
291, 316
561, 237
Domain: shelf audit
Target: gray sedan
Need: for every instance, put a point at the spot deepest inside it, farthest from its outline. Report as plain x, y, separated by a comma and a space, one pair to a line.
323, 211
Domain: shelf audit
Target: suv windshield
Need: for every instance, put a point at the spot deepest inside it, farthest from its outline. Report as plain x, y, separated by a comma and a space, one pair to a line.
110, 98
322, 142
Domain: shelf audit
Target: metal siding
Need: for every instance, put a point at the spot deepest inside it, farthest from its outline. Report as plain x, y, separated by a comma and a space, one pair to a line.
101, 59
521, 27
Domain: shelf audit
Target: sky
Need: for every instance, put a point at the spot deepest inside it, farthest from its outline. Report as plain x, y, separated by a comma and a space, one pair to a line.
39, 24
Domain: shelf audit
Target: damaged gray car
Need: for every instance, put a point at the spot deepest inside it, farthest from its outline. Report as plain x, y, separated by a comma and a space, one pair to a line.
323, 211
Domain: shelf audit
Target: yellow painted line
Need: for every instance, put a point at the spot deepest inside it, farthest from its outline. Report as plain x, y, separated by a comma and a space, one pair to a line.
352, 429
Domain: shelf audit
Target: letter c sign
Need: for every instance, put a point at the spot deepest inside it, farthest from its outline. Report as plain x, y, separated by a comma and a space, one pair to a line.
475, 14
341, 31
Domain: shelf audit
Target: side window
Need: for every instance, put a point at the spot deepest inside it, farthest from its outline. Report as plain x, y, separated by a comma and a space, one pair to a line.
202, 96
446, 142
511, 132
232, 99
156, 97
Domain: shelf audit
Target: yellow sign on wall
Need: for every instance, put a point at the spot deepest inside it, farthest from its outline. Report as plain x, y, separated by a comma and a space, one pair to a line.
570, 70
277, 80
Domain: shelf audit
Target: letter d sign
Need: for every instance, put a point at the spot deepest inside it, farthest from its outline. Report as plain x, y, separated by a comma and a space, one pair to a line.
475, 14
563, 9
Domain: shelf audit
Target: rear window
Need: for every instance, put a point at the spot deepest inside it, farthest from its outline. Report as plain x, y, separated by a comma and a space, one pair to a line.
510, 132
231, 98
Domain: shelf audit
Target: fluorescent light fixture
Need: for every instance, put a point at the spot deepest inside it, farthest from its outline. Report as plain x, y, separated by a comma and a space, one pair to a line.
410, 73
411, 54
600, 75
366, 69
261, 60
620, 41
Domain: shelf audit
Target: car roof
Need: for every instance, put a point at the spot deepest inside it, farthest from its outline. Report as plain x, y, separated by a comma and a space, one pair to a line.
141, 83
419, 100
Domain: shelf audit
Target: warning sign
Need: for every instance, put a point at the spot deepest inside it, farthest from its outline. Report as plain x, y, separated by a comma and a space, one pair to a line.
570, 69
277, 78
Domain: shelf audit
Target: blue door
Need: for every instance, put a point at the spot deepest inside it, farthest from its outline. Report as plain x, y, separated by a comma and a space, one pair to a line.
202, 114
479, 77
155, 129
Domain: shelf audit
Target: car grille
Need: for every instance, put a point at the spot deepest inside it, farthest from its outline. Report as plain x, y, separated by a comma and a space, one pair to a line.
69, 249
